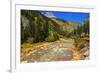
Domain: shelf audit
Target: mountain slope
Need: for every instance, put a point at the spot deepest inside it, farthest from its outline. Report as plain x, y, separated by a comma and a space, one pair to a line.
37, 27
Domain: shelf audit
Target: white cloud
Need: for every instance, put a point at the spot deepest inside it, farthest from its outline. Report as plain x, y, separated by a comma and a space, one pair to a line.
48, 14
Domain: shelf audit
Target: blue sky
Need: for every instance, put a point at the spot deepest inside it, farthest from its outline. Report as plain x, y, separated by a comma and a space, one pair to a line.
72, 16
78, 17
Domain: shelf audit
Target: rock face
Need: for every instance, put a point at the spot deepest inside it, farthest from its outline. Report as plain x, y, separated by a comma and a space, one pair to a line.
25, 22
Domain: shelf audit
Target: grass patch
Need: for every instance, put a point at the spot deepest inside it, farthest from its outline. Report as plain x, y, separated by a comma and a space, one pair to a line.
33, 45
80, 42
26, 47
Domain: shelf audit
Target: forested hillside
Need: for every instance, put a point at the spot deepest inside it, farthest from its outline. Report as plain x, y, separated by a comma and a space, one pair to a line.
37, 28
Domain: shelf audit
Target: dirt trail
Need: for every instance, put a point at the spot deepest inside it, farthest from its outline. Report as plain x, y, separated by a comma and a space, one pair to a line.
61, 50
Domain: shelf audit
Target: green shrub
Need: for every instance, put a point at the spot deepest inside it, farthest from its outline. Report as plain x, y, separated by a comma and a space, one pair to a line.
53, 36
81, 45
